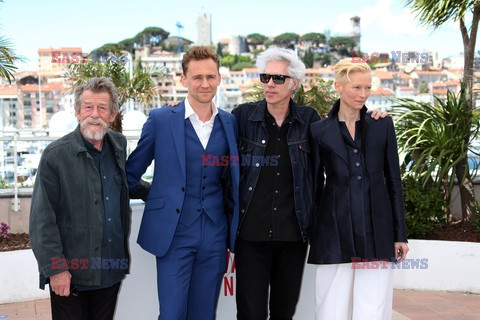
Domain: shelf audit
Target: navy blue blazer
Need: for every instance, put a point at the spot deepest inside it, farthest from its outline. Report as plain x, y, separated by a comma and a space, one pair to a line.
163, 140
333, 239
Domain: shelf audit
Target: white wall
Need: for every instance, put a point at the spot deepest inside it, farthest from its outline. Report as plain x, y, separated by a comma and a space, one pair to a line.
451, 266
138, 295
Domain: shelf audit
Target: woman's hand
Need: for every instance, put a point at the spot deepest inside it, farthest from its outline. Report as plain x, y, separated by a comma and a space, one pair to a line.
401, 249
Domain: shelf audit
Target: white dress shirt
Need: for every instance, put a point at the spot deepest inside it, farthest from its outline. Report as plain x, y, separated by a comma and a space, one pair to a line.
202, 129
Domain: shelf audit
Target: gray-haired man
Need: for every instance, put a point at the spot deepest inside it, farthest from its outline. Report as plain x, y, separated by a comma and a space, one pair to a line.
80, 215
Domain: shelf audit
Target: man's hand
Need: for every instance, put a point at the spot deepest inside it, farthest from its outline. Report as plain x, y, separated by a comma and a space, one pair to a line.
60, 283
401, 249
173, 103
377, 114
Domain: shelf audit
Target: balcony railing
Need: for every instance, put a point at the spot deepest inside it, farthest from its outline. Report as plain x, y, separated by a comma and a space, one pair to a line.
22, 151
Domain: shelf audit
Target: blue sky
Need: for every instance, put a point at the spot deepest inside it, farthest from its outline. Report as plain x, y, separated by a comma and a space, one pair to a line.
386, 25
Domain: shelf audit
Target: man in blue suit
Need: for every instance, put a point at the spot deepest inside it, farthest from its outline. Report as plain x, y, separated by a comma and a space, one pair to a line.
192, 209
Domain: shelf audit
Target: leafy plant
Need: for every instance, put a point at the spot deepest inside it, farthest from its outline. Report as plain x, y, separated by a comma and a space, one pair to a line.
436, 137
319, 96
4, 230
4, 184
425, 207
140, 86
476, 218
466, 15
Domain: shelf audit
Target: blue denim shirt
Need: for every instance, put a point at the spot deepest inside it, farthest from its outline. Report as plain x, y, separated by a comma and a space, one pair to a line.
252, 139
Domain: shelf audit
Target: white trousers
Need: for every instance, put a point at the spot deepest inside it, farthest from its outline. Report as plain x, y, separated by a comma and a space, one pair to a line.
354, 292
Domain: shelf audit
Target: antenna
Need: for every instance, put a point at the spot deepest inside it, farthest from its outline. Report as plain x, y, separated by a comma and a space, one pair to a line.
179, 29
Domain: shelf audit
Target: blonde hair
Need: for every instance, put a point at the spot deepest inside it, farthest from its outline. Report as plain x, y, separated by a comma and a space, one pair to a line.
349, 65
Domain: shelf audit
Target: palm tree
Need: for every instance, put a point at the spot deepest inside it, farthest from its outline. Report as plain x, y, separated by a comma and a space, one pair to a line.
435, 13
140, 86
7, 60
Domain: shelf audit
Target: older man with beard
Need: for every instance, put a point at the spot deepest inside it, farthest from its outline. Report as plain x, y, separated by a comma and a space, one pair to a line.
80, 215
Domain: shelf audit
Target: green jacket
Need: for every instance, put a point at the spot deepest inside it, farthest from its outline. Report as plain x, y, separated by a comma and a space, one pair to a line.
66, 210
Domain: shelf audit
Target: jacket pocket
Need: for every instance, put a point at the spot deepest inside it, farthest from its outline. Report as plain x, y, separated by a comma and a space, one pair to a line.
156, 203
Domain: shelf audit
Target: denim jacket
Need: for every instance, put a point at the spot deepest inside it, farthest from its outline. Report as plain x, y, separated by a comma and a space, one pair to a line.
253, 138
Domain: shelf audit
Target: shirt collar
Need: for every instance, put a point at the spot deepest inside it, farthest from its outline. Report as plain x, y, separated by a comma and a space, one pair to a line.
91, 148
189, 111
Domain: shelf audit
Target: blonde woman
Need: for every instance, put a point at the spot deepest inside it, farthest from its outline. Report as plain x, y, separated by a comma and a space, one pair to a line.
360, 214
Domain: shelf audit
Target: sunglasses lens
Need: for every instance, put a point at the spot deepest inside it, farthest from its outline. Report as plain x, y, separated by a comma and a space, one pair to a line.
264, 77
278, 79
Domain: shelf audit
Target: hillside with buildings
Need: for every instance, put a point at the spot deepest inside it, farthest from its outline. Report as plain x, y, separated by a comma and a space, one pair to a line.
34, 97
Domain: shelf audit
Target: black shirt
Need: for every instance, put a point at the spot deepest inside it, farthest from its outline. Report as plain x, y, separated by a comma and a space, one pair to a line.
359, 193
112, 260
271, 214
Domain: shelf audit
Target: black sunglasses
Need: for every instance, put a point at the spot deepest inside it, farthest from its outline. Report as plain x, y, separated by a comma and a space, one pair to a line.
277, 78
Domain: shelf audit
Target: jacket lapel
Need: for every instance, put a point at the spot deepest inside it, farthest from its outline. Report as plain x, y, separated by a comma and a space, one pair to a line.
177, 126
333, 139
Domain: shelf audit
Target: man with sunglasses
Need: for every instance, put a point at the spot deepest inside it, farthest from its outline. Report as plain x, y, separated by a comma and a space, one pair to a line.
276, 197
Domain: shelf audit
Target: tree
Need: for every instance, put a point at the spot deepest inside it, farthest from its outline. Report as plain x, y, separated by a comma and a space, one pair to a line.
7, 60
423, 87
219, 49
435, 13
151, 35
242, 65
140, 87
286, 39
326, 59
314, 37
256, 38
343, 45
308, 58
229, 61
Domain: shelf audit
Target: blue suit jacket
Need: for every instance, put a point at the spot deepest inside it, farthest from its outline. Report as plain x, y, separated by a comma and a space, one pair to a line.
163, 140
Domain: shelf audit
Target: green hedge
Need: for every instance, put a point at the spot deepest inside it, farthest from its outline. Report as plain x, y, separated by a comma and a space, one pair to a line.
425, 207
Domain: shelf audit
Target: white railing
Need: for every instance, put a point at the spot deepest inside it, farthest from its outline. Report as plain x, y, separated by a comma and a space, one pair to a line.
17, 170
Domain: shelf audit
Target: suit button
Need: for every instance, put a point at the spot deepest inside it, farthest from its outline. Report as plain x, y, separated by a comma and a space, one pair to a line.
199, 210
203, 188
263, 141
96, 201
359, 178
183, 189
355, 150
357, 164
250, 188
178, 210
204, 177
242, 211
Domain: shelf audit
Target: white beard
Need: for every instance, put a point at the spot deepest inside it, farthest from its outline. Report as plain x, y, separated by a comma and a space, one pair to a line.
93, 135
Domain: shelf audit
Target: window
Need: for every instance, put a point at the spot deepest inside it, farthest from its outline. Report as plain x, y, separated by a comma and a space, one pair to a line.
27, 103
